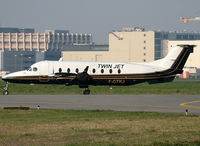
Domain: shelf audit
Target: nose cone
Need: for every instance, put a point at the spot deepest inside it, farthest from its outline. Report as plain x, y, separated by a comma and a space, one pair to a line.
6, 77
13, 77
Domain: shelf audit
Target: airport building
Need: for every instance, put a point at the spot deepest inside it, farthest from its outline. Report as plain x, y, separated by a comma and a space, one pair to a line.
20, 48
131, 45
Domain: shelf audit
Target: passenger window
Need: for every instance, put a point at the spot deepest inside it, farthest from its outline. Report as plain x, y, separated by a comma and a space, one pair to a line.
102, 71
110, 71
119, 71
77, 70
94, 70
35, 69
68, 70
60, 70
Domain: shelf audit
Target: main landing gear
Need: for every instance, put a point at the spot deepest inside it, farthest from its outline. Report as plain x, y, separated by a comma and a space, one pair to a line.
5, 89
86, 91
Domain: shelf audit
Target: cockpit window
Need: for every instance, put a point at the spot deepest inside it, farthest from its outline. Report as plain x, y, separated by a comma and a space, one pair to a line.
32, 69
35, 69
29, 69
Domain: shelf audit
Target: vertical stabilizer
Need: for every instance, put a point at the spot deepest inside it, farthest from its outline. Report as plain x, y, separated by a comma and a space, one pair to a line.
176, 58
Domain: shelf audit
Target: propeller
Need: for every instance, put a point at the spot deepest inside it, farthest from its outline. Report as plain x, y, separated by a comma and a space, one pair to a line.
83, 77
80, 77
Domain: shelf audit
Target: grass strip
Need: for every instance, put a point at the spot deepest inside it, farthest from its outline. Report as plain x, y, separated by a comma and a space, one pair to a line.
97, 127
144, 88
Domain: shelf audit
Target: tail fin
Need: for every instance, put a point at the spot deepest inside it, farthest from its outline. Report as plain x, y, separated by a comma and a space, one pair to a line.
183, 56
176, 58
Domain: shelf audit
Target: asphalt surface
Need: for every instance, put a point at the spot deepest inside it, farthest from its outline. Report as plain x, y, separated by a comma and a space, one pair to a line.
155, 103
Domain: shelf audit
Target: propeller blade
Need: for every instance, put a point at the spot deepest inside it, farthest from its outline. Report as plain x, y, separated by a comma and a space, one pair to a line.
86, 69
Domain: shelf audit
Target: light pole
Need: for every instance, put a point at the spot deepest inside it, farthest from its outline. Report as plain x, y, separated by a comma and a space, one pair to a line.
22, 62
15, 63
29, 58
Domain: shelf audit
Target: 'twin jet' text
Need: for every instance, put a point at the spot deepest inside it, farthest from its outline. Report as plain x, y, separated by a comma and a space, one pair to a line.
115, 66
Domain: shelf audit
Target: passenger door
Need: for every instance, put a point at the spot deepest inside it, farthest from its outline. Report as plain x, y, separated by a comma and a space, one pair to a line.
44, 68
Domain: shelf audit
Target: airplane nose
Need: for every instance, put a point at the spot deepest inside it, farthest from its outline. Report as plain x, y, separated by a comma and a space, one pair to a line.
4, 77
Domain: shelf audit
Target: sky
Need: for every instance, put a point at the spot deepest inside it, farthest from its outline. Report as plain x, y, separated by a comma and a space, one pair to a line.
99, 17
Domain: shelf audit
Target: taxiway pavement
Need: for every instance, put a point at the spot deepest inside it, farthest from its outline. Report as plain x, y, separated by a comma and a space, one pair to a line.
154, 103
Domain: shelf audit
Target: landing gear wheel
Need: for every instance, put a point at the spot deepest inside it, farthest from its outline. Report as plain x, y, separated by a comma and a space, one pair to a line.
86, 92
5, 92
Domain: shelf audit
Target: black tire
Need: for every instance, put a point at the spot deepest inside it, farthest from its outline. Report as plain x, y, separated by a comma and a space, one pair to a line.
86, 92
5, 92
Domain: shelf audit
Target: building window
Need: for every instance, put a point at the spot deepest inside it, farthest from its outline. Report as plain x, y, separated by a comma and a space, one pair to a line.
185, 37
144, 48
94, 70
102, 70
144, 35
165, 36
7, 44
144, 60
157, 35
144, 41
119, 71
26, 44
157, 48
68, 70
157, 54
144, 54
178, 37
77, 70
74, 38
158, 42
191, 37
110, 71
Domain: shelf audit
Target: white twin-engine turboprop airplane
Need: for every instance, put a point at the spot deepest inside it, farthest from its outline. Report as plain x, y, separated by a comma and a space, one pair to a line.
103, 73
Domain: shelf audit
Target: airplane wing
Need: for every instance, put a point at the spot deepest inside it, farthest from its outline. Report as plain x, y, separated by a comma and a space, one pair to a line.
81, 78
62, 74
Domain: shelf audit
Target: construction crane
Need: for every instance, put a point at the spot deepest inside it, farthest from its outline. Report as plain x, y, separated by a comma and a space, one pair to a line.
185, 20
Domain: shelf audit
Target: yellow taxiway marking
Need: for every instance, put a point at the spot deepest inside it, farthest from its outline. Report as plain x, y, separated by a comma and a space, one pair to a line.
182, 105
92, 104
191, 106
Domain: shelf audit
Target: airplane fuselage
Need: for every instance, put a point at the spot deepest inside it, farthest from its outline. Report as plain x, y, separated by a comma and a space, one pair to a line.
102, 73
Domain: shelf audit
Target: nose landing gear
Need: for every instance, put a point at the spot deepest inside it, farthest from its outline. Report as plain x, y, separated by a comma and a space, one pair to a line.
5, 89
